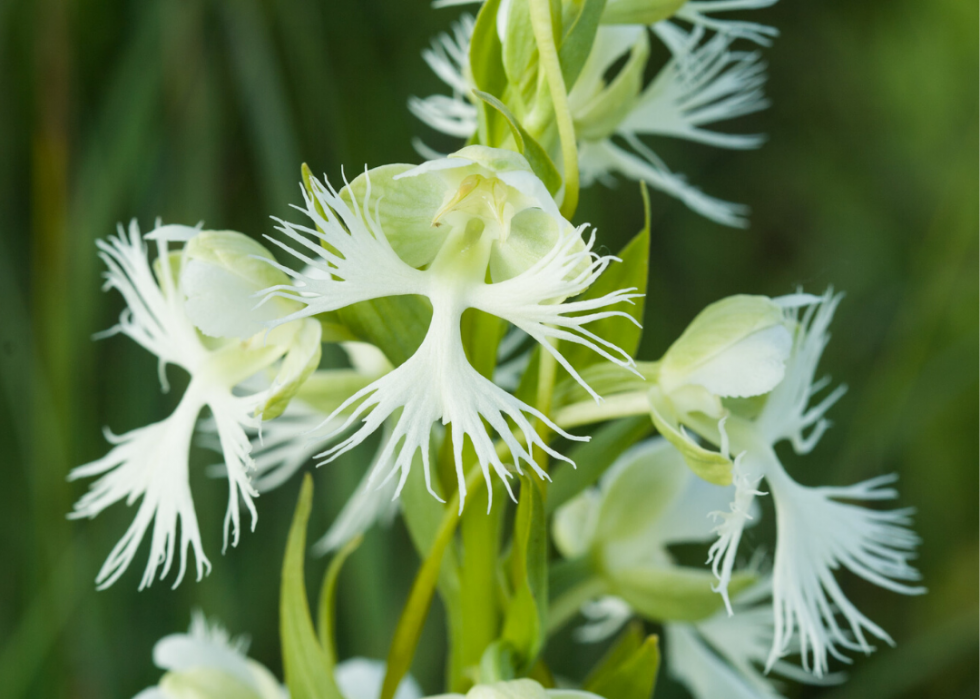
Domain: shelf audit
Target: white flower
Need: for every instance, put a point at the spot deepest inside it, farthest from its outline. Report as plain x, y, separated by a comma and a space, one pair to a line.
205, 663
703, 83
449, 60
816, 534
152, 462
476, 224
360, 678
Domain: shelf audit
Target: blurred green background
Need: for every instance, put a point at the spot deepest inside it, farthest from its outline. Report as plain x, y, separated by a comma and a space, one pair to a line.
204, 109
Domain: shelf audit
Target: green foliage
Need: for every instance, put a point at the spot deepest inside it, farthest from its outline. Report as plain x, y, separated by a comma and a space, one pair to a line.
536, 156
578, 37
487, 67
525, 620
629, 669
326, 615
630, 273
307, 665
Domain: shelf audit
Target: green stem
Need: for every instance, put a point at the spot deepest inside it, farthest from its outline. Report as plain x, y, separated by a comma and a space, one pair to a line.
420, 598
548, 60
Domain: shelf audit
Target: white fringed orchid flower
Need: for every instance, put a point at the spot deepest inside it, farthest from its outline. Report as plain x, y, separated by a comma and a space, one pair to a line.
703, 83
489, 237
205, 663
816, 532
163, 305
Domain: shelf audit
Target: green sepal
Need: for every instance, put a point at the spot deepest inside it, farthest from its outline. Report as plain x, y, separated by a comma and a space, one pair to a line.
712, 466
525, 620
673, 593
578, 39
305, 663
537, 157
326, 619
632, 272
629, 669
721, 327
593, 458
640, 11
404, 209
300, 362
205, 683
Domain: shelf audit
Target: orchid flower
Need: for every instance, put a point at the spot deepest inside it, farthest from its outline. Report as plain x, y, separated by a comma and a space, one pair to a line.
479, 213
163, 305
816, 532
703, 83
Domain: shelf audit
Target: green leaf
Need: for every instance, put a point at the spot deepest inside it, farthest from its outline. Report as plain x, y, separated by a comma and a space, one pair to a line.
712, 466
526, 616
578, 39
630, 273
305, 663
673, 593
537, 157
486, 65
328, 600
299, 363
395, 324
593, 458
629, 669
520, 50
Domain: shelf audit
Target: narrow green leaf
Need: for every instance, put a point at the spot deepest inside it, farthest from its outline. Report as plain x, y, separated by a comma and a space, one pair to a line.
305, 663
486, 65
328, 600
520, 51
578, 38
593, 458
630, 273
537, 157
526, 617
631, 671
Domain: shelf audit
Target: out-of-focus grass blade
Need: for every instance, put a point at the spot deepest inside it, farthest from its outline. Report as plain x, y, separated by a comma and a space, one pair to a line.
264, 101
